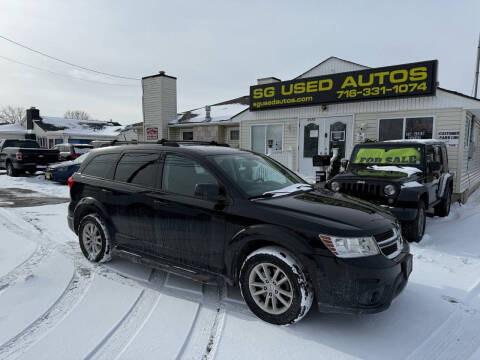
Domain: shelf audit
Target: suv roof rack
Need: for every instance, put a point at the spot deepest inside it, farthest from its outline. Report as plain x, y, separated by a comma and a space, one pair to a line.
163, 142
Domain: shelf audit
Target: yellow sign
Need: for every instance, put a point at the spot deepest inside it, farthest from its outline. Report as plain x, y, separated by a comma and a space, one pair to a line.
394, 156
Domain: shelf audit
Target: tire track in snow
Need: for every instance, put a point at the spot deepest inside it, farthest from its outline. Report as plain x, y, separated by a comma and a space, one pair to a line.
119, 338
459, 336
39, 254
76, 289
204, 336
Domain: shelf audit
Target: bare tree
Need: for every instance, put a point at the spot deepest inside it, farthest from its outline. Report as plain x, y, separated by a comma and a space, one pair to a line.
11, 114
77, 114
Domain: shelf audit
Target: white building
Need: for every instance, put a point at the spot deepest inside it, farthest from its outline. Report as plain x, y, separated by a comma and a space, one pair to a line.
295, 129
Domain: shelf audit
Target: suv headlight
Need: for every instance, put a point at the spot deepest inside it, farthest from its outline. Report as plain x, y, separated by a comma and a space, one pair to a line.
389, 190
350, 247
335, 186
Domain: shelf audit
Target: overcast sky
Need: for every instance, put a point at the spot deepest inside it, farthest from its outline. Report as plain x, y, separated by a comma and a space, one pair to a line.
217, 49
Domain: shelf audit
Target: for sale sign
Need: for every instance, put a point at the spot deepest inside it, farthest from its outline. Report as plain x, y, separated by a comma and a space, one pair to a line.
152, 133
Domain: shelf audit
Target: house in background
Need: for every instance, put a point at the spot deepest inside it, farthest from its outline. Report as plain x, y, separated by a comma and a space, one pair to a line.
50, 131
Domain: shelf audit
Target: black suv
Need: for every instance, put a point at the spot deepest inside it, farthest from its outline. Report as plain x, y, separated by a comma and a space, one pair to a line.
406, 177
212, 212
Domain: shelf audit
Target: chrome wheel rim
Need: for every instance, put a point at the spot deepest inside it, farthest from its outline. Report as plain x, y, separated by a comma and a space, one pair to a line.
270, 288
92, 240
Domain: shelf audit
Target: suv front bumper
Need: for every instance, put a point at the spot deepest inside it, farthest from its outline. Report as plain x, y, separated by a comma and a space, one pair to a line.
361, 285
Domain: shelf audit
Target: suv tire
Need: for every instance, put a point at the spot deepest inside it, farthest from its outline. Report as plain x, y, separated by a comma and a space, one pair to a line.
284, 295
443, 208
413, 230
11, 171
94, 238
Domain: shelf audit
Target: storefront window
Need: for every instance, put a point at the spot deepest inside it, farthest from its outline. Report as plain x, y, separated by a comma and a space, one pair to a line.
405, 128
390, 129
234, 134
187, 135
265, 136
419, 128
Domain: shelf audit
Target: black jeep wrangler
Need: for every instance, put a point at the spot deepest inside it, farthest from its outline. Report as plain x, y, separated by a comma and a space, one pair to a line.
407, 177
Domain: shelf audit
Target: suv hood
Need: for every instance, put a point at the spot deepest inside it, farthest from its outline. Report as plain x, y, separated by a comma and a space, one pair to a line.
333, 213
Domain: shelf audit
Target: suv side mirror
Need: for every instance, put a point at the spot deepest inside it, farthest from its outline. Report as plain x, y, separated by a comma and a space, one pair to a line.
208, 192
435, 166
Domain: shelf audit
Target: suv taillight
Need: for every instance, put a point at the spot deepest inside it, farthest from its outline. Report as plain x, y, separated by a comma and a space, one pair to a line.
70, 182
19, 156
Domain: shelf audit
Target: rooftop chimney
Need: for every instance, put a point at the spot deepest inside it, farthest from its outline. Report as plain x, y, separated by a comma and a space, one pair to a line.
159, 105
208, 118
32, 114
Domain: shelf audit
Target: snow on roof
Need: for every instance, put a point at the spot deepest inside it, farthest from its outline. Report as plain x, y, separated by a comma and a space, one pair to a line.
12, 128
78, 127
223, 111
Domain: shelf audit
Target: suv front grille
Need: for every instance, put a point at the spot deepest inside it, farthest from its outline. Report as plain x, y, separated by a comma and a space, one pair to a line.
390, 243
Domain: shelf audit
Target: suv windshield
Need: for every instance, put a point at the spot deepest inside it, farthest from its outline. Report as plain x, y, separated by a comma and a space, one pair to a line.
387, 155
259, 176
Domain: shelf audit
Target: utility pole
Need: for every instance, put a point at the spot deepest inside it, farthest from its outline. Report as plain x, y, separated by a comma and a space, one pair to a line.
475, 85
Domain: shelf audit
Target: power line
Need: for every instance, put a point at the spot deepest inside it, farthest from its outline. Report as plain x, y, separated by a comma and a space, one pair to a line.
64, 75
66, 62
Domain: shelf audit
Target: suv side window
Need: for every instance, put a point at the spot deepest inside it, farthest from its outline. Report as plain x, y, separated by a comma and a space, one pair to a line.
181, 175
101, 165
138, 168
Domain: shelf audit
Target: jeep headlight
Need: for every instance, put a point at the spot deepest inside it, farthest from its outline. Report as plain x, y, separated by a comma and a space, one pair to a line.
335, 186
389, 190
350, 247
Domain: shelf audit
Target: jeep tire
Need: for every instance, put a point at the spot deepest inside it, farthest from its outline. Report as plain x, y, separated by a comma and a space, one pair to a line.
442, 209
413, 230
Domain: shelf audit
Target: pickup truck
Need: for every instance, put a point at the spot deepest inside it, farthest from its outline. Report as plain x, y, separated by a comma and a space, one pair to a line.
20, 156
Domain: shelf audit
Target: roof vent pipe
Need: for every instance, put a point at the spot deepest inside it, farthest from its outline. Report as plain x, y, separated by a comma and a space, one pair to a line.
208, 118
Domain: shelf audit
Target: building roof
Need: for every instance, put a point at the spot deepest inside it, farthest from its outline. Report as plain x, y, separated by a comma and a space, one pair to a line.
222, 111
12, 128
76, 127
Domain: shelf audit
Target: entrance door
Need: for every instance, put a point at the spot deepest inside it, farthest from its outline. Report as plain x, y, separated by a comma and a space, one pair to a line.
318, 136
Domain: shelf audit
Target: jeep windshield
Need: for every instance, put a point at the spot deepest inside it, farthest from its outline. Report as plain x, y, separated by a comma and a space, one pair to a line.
259, 176
383, 155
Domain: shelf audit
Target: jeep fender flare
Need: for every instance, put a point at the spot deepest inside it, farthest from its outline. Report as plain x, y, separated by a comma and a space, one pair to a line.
413, 194
86, 206
256, 236
445, 181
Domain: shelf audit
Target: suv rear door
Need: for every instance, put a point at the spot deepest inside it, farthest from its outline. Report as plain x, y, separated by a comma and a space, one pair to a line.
191, 229
132, 200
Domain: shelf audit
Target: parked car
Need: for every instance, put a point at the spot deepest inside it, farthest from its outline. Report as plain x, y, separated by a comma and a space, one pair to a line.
19, 156
61, 172
72, 151
406, 177
210, 212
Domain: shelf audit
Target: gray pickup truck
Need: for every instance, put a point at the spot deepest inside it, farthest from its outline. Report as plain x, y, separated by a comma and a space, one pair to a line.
20, 156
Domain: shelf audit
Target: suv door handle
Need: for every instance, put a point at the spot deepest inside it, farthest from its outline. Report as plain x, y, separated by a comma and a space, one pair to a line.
106, 191
160, 202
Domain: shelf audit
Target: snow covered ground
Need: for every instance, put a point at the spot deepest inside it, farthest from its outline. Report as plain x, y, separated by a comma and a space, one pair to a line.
56, 305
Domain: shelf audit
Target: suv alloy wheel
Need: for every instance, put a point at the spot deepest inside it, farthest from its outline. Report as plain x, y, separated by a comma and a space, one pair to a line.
11, 170
274, 286
94, 238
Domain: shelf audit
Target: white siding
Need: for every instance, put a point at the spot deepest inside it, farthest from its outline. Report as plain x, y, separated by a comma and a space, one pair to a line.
470, 174
332, 65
